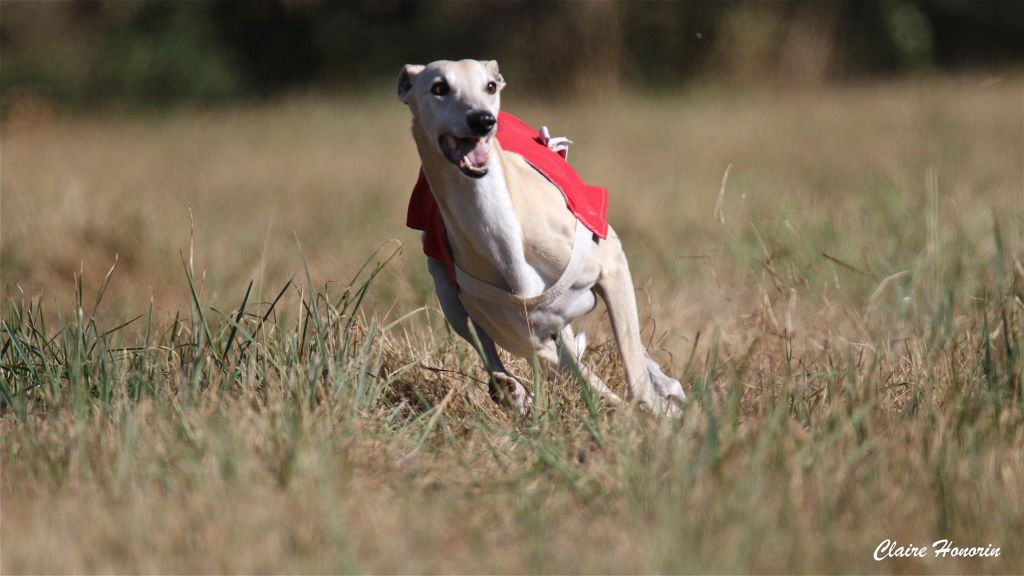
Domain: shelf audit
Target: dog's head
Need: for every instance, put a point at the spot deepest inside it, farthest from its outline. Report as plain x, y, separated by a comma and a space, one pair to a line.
455, 105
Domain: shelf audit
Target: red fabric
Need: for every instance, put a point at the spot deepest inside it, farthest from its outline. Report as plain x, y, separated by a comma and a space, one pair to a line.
588, 203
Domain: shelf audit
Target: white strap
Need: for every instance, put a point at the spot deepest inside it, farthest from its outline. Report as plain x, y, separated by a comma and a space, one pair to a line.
477, 288
559, 144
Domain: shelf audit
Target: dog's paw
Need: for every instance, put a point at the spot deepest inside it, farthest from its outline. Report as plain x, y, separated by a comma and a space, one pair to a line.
669, 393
667, 406
664, 385
511, 392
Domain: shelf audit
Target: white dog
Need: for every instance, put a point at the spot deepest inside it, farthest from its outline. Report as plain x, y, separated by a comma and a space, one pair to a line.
525, 264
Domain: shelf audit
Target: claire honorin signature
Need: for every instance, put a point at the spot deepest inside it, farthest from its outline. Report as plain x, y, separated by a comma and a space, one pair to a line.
939, 549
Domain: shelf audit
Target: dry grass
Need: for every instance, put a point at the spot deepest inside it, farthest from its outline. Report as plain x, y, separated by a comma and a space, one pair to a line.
850, 337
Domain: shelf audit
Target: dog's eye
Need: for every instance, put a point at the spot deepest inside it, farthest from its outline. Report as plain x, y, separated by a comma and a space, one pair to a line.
492, 87
440, 88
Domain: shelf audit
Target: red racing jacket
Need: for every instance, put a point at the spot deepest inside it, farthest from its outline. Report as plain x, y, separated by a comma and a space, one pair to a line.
588, 203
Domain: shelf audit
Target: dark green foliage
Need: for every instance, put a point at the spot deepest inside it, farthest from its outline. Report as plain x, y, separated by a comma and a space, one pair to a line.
163, 52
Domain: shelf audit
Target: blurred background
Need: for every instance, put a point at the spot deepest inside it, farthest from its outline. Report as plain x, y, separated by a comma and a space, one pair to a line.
78, 55
225, 133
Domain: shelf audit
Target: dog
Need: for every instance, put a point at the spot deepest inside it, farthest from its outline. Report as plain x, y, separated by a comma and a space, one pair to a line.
523, 263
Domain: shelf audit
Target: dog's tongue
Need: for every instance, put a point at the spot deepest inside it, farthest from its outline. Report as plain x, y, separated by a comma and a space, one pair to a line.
466, 153
479, 154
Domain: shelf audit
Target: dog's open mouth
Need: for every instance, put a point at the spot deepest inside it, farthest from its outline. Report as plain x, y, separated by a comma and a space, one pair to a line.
469, 154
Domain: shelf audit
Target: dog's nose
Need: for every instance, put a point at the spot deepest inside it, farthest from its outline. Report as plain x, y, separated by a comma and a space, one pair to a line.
481, 122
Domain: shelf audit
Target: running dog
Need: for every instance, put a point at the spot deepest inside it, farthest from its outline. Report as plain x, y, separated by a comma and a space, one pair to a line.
517, 244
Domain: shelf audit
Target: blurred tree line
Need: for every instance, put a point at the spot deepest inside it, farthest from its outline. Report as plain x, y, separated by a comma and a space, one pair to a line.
126, 53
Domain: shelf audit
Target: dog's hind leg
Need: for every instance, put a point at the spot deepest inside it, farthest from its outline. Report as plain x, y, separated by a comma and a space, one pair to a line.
503, 387
565, 353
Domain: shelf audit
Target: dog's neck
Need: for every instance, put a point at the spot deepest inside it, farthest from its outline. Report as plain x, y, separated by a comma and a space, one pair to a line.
483, 229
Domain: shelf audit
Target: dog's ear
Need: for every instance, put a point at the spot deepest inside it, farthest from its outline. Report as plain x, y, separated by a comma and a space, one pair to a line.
406, 79
492, 67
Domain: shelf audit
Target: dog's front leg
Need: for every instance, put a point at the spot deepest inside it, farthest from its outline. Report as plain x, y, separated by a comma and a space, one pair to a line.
503, 387
615, 286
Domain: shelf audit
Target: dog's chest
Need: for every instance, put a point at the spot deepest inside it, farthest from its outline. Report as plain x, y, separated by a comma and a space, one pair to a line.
524, 324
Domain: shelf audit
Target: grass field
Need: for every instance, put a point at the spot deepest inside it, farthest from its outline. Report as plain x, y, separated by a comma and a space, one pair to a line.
834, 275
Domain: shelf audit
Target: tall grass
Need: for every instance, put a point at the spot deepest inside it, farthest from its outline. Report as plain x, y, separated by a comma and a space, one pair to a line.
321, 440
859, 379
